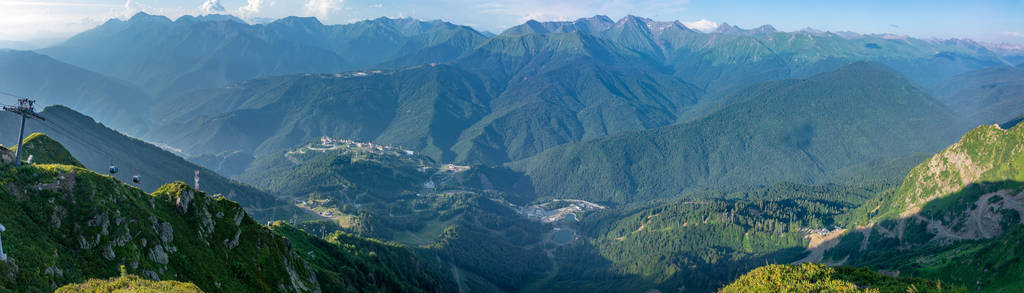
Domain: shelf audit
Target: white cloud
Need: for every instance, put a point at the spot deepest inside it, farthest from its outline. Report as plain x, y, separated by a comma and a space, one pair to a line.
322, 8
251, 8
211, 6
703, 25
378, 5
1013, 34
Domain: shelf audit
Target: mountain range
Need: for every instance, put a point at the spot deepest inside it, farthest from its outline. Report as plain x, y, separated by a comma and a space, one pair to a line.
594, 155
167, 57
578, 83
51, 82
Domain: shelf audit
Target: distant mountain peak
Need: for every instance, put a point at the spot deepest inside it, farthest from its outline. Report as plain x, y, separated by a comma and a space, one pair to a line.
142, 16
296, 20
599, 18
632, 19
633, 22
220, 17
210, 18
848, 34
726, 28
765, 29
657, 26
812, 31
536, 26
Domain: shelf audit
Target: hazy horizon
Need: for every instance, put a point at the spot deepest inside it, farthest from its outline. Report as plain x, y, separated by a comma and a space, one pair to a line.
46, 22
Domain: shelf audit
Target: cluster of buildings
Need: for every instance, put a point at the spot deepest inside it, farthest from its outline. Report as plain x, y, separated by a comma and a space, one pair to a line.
329, 142
453, 168
541, 212
312, 205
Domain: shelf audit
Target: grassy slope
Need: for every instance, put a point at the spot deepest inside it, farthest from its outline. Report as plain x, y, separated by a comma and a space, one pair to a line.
820, 278
66, 224
129, 284
985, 154
948, 191
45, 150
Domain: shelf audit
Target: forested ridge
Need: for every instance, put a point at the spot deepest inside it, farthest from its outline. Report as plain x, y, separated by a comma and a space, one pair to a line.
587, 155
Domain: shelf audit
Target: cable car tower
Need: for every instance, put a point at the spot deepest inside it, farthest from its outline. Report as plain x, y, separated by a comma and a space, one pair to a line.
26, 109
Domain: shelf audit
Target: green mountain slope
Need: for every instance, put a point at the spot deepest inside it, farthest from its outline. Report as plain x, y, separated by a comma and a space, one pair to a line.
796, 130
45, 150
96, 146
956, 217
51, 82
66, 224
986, 154
494, 105
441, 43
423, 108
564, 88
703, 240
819, 278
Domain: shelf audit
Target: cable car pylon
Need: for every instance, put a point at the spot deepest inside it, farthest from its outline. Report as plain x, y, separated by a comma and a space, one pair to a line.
25, 109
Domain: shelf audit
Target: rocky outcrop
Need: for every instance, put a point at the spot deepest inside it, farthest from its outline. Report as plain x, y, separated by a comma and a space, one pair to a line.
96, 223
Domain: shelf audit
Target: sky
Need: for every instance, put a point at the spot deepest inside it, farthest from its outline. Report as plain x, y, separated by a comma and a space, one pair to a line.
44, 22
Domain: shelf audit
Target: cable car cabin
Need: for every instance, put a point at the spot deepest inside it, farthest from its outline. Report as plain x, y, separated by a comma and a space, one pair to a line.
113, 169
136, 179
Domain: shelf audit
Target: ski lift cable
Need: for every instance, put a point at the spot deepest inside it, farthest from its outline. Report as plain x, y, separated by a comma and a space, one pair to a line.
71, 135
12, 95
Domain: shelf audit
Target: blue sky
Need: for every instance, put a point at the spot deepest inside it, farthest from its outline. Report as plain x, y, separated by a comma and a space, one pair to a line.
47, 21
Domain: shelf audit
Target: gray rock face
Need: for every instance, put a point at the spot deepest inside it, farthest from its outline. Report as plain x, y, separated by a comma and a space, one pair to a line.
3, 257
184, 200
233, 242
158, 255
